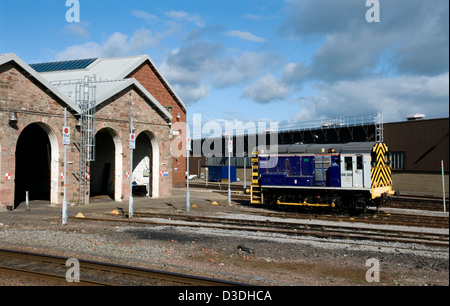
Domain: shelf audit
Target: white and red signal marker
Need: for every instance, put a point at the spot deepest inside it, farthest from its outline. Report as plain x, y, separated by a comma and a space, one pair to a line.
66, 135
188, 143
132, 141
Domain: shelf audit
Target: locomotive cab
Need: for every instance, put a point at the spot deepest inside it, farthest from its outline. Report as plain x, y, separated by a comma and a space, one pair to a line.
355, 171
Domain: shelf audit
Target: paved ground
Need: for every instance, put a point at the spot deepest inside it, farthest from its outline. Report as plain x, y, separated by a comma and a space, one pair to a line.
420, 184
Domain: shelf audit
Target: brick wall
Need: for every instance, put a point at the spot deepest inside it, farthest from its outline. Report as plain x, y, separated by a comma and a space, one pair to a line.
148, 77
113, 114
32, 103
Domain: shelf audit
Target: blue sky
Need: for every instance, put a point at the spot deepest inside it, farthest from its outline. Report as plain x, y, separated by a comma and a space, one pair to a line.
258, 60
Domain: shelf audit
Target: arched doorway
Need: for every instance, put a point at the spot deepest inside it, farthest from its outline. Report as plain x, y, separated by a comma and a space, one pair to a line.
146, 163
36, 169
105, 171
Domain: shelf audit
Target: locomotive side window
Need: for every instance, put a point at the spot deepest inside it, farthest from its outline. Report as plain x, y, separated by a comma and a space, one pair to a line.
348, 163
374, 159
359, 162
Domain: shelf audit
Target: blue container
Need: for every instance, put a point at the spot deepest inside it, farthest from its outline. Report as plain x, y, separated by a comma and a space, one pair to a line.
220, 173
214, 173
232, 173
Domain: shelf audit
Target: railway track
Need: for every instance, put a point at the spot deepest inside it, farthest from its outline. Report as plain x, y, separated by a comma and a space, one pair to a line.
318, 230
403, 201
381, 218
422, 203
299, 228
371, 217
53, 268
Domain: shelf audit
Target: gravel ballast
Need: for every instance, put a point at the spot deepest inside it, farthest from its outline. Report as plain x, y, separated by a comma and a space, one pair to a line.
248, 257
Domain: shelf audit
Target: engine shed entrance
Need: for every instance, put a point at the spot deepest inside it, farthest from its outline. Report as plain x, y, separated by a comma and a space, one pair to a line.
36, 164
102, 169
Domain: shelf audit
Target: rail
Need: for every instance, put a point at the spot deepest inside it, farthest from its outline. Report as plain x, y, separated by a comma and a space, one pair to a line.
96, 268
300, 228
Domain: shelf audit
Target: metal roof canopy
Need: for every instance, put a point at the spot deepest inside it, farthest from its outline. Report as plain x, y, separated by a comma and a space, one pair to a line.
352, 147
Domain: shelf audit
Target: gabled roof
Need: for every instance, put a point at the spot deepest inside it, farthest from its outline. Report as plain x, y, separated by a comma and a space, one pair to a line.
107, 89
11, 57
65, 90
104, 69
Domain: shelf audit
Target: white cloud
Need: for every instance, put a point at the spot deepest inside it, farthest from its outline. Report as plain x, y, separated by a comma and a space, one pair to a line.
266, 89
193, 93
142, 39
259, 17
295, 74
394, 97
200, 66
77, 29
179, 75
246, 36
181, 15
144, 15
416, 40
87, 50
116, 45
240, 69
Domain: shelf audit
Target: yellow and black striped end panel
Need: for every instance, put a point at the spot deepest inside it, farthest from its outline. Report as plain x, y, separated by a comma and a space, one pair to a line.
255, 188
381, 173
255, 172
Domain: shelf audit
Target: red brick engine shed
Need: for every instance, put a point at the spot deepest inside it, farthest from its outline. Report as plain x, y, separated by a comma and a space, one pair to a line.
32, 103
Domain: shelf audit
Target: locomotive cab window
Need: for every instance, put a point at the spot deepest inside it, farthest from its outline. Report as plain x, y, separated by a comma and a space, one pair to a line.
374, 159
359, 162
348, 163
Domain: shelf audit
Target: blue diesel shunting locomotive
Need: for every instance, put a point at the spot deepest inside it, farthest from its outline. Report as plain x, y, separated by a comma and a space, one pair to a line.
342, 176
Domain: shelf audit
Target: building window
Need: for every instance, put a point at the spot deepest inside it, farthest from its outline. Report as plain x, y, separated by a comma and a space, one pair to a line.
398, 160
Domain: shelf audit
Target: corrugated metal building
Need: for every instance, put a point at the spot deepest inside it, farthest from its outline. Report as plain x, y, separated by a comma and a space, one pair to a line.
418, 145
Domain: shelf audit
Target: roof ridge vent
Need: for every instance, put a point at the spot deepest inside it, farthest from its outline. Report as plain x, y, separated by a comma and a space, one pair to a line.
414, 117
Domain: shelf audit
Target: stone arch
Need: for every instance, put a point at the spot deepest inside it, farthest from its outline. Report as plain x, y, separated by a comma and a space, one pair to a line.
103, 180
27, 151
146, 157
